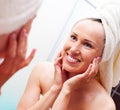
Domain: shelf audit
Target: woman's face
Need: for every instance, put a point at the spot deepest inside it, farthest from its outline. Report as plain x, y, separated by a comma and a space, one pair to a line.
86, 42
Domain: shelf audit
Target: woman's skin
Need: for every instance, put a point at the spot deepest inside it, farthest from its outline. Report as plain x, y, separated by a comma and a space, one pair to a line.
70, 83
13, 48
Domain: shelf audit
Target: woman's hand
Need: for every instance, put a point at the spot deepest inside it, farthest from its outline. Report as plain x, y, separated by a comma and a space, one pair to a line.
60, 74
15, 57
80, 80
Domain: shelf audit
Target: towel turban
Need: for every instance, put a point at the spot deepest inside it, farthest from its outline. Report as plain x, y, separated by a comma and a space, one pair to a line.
110, 64
16, 13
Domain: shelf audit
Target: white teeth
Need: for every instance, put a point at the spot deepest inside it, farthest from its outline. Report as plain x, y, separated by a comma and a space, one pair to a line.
71, 59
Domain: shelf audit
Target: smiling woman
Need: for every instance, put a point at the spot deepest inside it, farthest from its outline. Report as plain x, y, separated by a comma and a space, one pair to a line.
50, 14
70, 82
83, 69
61, 18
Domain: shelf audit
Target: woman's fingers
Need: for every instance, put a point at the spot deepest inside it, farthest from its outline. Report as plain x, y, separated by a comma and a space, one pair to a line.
58, 70
12, 46
17, 49
22, 43
17, 46
60, 74
26, 61
92, 70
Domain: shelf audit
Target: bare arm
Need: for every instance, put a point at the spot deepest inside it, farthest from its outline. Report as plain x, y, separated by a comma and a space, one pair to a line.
46, 101
34, 89
62, 100
31, 98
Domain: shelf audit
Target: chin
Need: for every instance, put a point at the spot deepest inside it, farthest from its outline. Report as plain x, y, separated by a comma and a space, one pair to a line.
72, 69
68, 68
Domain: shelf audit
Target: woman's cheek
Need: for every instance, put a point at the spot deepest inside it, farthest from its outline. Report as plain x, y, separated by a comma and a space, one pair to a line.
63, 53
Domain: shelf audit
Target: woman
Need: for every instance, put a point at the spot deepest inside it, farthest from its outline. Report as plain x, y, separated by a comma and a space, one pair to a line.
72, 82
16, 18
85, 70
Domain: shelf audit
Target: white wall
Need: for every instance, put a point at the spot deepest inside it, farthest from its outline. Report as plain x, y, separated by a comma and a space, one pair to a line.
49, 31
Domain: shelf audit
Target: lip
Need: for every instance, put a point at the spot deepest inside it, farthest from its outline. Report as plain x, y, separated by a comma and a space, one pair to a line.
72, 59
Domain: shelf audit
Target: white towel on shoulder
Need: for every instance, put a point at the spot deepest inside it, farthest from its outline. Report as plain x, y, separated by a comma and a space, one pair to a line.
110, 64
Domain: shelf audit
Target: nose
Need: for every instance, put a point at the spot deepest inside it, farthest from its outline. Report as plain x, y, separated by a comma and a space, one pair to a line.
75, 50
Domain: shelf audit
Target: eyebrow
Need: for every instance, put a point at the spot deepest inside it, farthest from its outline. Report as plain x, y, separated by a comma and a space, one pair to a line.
74, 33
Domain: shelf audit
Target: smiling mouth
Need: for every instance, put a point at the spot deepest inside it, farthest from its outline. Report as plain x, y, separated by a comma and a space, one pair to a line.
71, 59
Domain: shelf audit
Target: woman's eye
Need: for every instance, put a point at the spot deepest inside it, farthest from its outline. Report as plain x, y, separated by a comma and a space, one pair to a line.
73, 37
88, 45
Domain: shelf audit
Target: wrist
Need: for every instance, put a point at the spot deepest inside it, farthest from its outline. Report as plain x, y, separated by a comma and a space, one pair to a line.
66, 89
55, 89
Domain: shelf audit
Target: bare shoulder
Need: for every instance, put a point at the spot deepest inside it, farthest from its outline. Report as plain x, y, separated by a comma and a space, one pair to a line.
42, 68
100, 99
110, 105
45, 73
104, 102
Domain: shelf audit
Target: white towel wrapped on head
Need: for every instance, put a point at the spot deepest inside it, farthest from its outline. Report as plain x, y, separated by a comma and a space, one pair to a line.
15, 13
110, 64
